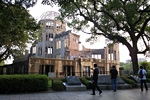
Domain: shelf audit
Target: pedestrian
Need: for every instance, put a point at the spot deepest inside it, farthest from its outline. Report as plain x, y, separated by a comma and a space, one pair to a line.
113, 77
94, 80
143, 78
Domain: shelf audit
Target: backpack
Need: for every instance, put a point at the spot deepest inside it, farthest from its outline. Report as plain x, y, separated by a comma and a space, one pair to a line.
140, 74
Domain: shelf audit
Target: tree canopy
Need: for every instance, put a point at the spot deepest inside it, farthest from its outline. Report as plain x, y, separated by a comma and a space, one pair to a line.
146, 65
123, 21
17, 27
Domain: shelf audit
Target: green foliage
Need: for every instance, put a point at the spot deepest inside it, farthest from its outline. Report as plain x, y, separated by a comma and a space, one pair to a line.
23, 83
62, 79
148, 80
146, 65
121, 68
128, 80
85, 82
148, 74
49, 83
57, 84
17, 28
2, 63
87, 77
126, 66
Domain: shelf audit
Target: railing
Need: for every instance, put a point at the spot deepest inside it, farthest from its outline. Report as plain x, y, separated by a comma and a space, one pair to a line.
80, 74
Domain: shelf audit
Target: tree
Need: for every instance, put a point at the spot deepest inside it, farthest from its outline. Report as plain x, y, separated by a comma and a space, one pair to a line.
17, 27
126, 66
123, 21
2, 63
146, 65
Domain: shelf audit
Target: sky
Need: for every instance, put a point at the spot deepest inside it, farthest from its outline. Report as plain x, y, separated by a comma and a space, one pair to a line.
39, 9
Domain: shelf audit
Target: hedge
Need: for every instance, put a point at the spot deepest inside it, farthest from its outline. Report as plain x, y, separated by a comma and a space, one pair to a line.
23, 83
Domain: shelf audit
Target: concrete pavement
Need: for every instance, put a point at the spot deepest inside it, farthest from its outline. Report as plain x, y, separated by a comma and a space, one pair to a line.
127, 94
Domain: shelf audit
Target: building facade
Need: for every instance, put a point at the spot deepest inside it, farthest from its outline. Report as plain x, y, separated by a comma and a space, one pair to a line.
57, 53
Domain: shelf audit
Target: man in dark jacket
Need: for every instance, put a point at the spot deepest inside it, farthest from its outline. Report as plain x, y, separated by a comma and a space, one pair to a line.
94, 80
113, 76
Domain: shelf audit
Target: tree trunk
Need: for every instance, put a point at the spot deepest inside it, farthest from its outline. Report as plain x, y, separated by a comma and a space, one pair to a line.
134, 59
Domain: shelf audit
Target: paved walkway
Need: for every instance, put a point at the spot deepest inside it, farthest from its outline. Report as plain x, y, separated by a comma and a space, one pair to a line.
129, 94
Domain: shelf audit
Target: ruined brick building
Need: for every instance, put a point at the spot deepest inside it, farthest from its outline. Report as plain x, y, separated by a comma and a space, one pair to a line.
57, 53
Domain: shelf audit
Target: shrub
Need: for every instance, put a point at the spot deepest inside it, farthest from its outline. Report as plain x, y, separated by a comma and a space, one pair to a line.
148, 80
85, 82
23, 83
62, 79
87, 77
148, 74
49, 83
57, 84
128, 80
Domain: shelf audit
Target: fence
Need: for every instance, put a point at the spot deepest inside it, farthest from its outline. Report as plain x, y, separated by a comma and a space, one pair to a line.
80, 74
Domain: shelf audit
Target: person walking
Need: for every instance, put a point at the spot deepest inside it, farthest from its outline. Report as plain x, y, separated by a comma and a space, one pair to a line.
143, 78
113, 77
94, 80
